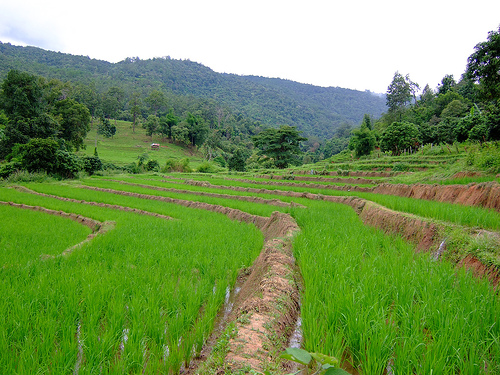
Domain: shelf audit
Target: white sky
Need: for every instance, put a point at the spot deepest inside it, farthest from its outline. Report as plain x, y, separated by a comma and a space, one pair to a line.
356, 44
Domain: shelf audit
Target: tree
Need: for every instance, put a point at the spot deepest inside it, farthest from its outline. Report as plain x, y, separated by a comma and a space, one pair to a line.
135, 108
106, 129
21, 95
166, 123
362, 140
483, 66
152, 125
155, 101
367, 121
74, 121
236, 162
280, 144
399, 93
198, 129
112, 102
447, 83
399, 136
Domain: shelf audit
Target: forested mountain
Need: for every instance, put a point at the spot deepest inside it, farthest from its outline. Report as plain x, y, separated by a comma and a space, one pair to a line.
317, 111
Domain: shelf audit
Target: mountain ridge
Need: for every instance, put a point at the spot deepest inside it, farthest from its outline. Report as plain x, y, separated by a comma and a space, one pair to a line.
315, 110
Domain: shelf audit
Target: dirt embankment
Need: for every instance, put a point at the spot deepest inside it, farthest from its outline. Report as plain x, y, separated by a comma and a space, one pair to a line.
486, 194
272, 202
269, 298
426, 234
268, 301
339, 180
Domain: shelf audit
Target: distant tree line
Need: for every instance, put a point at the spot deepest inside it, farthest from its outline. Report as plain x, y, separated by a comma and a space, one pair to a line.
43, 123
467, 110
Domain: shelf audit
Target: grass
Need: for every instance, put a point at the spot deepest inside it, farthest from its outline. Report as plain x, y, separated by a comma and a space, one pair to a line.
125, 147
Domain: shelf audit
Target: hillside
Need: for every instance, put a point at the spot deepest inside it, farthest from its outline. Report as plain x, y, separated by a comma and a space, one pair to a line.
315, 110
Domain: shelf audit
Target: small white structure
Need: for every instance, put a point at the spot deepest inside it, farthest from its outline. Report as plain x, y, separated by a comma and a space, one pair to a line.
155, 146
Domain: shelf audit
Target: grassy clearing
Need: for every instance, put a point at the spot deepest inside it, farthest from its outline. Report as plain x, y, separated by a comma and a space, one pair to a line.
126, 146
370, 298
141, 298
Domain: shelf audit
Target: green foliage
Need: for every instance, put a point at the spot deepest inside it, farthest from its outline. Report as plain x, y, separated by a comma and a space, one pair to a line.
74, 121
152, 125
282, 145
39, 155
177, 166
207, 167
92, 164
152, 165
67, 164
399, 136
484, 64
192, 86
322, 363
237, 160
398, 93
105, 128
362, 141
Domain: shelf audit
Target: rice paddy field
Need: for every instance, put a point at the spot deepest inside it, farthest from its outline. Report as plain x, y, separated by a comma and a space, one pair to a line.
143, 296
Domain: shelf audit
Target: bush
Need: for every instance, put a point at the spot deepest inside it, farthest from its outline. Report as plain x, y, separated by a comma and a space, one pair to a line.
92, 164
177, 166
400, 167
207, 167
67, 164
152, 165
9, 168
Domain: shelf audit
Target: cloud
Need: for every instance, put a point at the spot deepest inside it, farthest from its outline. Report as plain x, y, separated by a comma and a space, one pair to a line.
28, 26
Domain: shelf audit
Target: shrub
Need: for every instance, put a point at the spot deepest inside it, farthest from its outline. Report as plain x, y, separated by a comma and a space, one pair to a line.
207, 167
152, 165
67, 164
92, 164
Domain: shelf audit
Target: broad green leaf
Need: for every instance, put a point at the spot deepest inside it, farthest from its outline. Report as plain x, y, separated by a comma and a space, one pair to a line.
325, 359
336, 371
297, 355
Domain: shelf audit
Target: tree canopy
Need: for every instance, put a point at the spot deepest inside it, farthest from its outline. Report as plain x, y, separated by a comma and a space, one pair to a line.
483, 66
282, 145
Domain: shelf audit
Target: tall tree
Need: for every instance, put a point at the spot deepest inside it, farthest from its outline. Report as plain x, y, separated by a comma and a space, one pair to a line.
74, 121
135, 108
399, 93
483, 66
447, 83
112, 102
155, 101
281, 144
400, 136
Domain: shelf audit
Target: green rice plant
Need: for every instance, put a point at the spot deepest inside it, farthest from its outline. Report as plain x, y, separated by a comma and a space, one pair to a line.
27, 234
383, 305
133, 300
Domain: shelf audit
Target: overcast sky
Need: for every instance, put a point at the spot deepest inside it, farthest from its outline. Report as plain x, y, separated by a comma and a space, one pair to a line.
351, 44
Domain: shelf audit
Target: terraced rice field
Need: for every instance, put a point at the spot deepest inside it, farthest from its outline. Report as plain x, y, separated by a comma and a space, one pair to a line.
145, 286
